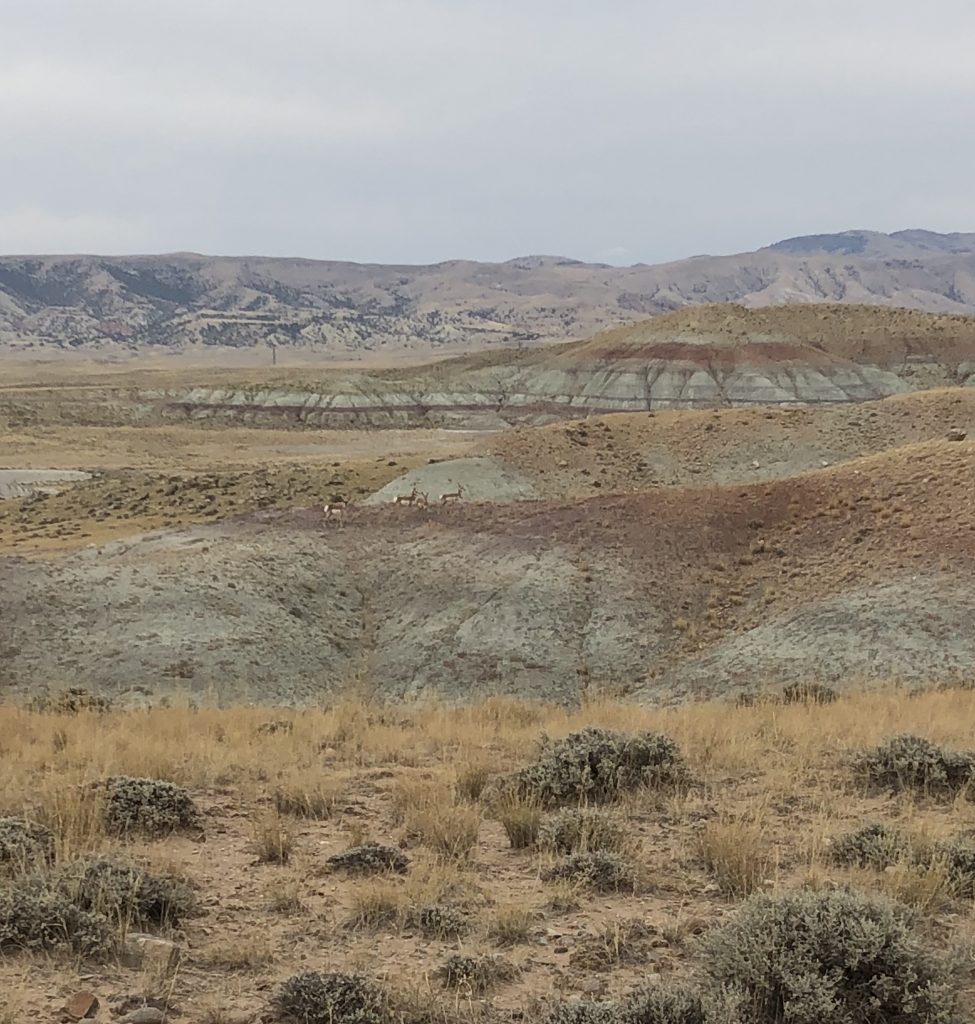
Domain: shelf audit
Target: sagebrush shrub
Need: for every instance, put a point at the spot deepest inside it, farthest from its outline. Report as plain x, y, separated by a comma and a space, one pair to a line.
598, 765
369, 859
150, 806
71, 701
34, 917
873, 846
439, 921
123, 892
315, 998
914, 763
475, 973
957, 856
581, 830
586, 1013
834, 957
24, 844
599, 871
275, 727
670, 1002
809, 693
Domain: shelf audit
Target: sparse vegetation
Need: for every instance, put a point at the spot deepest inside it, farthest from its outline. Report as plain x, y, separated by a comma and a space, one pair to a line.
476, 974
369, 859
450, 831
737, 855
521, 820
150, 806
24, 845
770, 774
618, 943
809, 693
511, 925
598, 765
914, 763
303, 797
471, 781
439, 921
314, 998
272, 840
809, 957
129, 895
583, 830
377, 903
601, 872
872, 846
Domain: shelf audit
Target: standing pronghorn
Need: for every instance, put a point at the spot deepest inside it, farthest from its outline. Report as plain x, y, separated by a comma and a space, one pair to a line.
452, 495
406, 499
336, 509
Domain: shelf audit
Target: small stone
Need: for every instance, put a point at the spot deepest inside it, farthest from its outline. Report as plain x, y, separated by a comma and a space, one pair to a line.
81, 1005
956, 434
561, 949
140, 949
144, 1015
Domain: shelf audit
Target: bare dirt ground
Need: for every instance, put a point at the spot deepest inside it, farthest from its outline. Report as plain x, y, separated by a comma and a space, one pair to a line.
770, 789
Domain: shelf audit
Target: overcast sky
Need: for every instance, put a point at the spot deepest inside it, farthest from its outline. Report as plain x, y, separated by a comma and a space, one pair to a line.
422, 130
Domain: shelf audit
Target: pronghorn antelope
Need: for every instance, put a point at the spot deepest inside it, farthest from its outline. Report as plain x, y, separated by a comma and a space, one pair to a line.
423, 499
407, 499
452, 495
336, 509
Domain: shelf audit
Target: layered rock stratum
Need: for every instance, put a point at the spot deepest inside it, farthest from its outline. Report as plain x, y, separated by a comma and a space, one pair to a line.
700, 357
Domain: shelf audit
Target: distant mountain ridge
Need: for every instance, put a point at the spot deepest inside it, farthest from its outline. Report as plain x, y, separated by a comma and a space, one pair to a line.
186, 299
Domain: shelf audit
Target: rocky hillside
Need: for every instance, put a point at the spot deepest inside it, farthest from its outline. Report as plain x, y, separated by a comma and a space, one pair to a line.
126, 303
699, 357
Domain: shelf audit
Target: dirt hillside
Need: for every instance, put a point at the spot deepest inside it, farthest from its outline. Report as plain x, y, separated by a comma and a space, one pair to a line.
669, 593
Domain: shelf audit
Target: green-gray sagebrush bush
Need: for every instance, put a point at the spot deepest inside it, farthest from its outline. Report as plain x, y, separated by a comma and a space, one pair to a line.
152, 807
599, 765
316, 998
914, 763
834, 957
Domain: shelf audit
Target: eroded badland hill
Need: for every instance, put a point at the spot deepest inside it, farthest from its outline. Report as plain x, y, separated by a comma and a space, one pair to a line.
784, 493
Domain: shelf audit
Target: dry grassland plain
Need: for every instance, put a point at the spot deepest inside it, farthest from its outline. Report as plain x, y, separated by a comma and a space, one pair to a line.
768, 788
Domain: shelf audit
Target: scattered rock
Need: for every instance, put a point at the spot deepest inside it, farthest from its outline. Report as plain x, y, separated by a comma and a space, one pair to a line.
144, 1015
141, 949
956, 434
81, 1005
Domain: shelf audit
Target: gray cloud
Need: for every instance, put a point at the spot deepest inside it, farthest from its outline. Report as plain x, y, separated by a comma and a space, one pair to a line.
430, 129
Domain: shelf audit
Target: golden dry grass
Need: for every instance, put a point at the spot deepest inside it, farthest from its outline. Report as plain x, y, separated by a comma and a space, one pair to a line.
771, 786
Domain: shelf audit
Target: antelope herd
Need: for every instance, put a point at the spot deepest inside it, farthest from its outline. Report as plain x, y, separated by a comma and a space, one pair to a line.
337, 509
